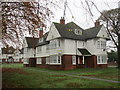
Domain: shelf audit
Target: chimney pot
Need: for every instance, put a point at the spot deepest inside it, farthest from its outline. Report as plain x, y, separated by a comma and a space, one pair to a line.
62, 20
97, 23
40, 32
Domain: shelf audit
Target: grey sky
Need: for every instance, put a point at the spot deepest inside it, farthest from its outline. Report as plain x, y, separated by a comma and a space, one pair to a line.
81, 16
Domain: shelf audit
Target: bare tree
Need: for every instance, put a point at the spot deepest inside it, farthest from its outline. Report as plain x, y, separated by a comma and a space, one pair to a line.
112, 20
21, 17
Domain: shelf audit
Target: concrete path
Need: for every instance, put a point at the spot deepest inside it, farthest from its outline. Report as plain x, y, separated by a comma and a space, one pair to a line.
76, 76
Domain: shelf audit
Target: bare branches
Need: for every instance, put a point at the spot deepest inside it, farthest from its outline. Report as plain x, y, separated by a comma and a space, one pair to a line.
18, 17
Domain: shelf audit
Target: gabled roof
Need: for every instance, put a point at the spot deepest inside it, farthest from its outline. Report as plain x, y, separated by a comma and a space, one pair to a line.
63, 30
92, 32
68, 31
32, 42
44, 42
9, 50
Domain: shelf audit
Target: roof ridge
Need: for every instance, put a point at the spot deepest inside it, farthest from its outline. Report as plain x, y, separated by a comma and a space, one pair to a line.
94, 27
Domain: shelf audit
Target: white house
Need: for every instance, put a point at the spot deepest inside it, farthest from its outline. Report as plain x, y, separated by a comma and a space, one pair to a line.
29, 49
68, 46
11, 55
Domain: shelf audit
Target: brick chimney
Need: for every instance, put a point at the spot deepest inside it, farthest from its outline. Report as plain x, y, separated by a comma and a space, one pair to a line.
40, 32
97, 23
62, 20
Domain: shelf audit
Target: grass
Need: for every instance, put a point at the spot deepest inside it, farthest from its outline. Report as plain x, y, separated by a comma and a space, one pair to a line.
17, 76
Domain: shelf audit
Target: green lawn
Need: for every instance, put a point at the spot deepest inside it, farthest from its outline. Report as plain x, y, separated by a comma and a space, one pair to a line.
17, 76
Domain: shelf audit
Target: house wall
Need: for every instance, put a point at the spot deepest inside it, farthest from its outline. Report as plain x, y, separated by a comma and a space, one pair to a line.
28, 52
91, 46
53, 33
71, 46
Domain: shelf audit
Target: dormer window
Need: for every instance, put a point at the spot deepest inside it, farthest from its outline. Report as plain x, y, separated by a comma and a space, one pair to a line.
78, 32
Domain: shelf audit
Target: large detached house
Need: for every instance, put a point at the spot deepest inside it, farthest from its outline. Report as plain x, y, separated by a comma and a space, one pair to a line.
68, 46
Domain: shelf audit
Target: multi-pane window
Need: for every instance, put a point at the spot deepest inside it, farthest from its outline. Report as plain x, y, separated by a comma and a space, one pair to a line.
16, 60
101, 59
78, 32
25, 50
73, 59
39, 61
26, 61
47, 60
101, 44
39, 49
55, 59
54, 44
47, 48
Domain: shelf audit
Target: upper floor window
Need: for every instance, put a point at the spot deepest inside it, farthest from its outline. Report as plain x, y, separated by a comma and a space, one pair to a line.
39, 49
25, 50
101, 44
78, 32
54, 44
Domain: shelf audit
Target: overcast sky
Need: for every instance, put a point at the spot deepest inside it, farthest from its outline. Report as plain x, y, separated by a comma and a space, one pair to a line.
81, 16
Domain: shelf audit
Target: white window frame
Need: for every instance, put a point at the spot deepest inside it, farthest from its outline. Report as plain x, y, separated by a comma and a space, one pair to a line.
78, 32
55, 57
26, 61
47, 60
39, 49
101, 44
47, 48
16, 60
74, 60
102, 59
39, 60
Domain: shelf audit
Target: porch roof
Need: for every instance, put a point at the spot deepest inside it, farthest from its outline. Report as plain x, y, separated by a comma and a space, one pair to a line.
84, 51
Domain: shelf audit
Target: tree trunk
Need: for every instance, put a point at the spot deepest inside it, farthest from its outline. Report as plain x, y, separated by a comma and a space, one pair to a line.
118, 48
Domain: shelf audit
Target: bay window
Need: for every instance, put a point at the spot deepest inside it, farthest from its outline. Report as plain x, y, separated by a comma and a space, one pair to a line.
102, 59
39, 60
55, 59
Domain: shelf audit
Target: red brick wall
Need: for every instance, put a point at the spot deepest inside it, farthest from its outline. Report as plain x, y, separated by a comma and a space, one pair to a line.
101, 65
67, 62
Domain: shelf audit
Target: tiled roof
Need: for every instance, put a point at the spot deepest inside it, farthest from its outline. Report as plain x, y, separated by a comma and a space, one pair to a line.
44, 42
91, 32
9, 50
32, 42
68, 31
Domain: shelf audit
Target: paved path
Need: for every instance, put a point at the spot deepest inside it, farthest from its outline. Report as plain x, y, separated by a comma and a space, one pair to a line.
76, 76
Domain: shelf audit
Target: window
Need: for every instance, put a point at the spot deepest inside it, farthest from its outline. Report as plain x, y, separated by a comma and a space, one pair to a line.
98, 44
39, 49
78, 32
58, 42
16, 60
53, 44
102, 59
73, 59
39, 61
26, 61
98, 60
55, 59
101, 44
47, 48
25, 50
47, 60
